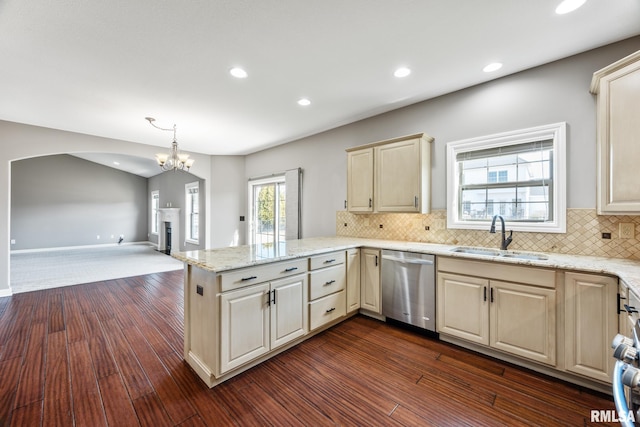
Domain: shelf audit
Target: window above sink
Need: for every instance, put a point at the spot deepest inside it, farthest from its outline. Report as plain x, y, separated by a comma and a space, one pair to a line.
520, 175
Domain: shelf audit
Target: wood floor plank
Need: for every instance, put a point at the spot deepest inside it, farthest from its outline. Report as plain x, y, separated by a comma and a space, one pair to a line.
151, 412
101, 354
88, 409
72, 315
28, 415
118, 406
129, 367
31, 386
16, 334
57, 392
10, 374
174, 402
209, 409
56, 313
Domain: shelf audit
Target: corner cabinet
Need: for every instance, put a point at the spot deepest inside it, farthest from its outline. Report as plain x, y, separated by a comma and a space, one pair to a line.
390, 176
617, 88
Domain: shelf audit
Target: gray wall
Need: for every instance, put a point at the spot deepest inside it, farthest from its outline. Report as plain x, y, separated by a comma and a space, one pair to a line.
171, 187
61, 200
556, 92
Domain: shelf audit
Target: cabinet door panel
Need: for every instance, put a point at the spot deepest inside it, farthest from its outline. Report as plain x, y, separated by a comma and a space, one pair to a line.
398, 175
523, 321
289, 312
353, 280
462, 307
244, 326
360, 180
590, 324
370, 286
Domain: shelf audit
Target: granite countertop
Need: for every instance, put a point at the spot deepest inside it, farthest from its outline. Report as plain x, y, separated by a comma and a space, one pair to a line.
231, 258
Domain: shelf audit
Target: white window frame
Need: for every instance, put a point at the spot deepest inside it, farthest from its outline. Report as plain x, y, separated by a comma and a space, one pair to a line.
155, 212
187, 212
556, 132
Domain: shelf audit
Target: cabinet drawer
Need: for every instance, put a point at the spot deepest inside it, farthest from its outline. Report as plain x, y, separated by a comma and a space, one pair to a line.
324, 310
326, 281
326, 260
235, 279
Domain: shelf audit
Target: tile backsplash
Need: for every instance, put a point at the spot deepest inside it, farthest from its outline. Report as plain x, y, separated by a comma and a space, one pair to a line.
583, 236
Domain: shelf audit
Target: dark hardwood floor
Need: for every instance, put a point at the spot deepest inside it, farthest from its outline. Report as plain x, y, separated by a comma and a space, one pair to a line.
110, 353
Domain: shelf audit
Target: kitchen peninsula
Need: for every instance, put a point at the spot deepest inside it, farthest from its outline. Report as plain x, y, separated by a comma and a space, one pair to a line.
245, 304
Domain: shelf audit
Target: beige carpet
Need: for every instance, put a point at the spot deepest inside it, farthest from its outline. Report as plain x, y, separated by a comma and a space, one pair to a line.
33, 271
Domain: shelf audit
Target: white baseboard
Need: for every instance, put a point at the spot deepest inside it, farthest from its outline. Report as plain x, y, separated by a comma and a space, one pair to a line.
64, 248
5, 293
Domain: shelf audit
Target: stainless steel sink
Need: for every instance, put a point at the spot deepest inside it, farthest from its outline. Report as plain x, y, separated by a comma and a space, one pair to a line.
476, 251
497, 253
522, 255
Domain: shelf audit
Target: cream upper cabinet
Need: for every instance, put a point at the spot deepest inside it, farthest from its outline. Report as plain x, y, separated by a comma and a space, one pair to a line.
353, 279
370, 280
618, 136
360, 180
390, 176
591, 322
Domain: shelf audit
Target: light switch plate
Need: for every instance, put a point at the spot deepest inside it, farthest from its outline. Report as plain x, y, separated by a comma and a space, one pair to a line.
626, 230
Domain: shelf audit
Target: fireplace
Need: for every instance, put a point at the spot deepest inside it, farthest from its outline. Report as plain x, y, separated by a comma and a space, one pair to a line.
168, 234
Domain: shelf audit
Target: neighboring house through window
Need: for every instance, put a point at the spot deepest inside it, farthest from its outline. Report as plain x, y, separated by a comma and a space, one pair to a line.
519, 175
192, 209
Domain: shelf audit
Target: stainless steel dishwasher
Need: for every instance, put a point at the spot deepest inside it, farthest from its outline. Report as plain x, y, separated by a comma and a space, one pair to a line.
408, 288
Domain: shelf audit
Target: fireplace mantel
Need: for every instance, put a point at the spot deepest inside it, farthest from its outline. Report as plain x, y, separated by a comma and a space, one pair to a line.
169, 216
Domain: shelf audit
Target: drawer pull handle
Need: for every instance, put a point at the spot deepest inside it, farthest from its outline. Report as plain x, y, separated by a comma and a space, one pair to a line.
286, 270
244, 279
329, 261
330, 310
630, 309
329, 282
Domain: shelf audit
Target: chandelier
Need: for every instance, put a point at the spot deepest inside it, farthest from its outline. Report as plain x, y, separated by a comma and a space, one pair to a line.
174, 160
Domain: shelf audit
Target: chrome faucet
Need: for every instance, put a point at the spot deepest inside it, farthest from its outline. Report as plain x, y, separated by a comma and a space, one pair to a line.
505, 242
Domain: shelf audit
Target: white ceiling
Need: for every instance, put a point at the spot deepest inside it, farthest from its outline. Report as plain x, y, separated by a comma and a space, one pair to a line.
100, 67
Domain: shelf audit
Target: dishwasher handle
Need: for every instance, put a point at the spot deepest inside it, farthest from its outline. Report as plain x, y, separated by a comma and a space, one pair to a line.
408, 260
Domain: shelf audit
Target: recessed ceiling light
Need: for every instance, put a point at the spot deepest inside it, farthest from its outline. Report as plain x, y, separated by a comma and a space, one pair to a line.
304, 102
569, 6
238, 73
116, 163
402, 72
492, 67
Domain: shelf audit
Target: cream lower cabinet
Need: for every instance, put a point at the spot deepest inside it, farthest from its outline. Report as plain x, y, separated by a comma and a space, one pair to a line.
259, 318
353, 280
370, 292
516, 318
522, 321
591, 322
